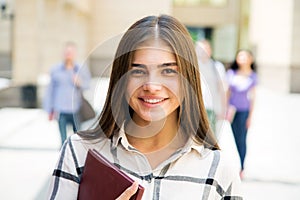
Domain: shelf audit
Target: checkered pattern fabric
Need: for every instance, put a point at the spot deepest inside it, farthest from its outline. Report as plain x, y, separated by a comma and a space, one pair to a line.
193, 172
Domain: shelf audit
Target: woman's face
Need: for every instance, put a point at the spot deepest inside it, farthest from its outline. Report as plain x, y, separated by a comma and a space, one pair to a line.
153, 84
243, 58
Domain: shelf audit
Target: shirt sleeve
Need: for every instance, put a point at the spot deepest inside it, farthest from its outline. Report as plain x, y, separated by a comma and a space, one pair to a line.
255, 79
85, 77
229, 76
64, 183
234, 189
230, 179
222, 73
221, 69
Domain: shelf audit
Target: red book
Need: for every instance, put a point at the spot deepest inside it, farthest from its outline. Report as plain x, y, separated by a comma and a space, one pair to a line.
103, 180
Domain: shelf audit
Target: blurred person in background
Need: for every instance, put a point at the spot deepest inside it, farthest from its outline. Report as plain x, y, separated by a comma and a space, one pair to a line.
242, 81
214, 84
63, 96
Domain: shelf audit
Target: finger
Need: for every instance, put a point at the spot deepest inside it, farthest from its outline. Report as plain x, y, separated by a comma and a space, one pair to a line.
129, 192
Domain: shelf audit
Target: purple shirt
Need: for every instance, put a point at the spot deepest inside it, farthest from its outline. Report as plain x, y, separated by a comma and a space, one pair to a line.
240, 86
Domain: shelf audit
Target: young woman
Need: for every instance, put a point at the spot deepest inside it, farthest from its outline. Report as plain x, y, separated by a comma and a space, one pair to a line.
153, 125
242, 81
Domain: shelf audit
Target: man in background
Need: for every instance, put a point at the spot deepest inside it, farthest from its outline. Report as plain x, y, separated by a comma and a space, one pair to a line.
63, 96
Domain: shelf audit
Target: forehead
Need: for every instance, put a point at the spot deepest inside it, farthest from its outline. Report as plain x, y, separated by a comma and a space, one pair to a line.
69, 49
154, 54
243, 53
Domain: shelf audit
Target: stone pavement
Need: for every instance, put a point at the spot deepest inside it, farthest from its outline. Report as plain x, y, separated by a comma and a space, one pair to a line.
29, 147
272, 162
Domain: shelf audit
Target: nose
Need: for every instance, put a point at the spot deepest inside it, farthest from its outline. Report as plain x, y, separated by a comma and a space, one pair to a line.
152, 86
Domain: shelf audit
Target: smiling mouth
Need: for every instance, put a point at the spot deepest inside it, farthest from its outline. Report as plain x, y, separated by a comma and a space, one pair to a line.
152, 101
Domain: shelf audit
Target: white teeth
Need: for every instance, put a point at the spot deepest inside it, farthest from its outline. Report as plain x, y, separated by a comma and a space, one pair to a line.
153, 100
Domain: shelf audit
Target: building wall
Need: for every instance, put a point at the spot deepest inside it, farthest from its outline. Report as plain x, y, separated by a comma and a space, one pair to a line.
42, 26
40, 30
5, 48
270, 33
61, 22
5, 35
110, 20
208, 15
5, 39
295, 58
224, 20
25, 49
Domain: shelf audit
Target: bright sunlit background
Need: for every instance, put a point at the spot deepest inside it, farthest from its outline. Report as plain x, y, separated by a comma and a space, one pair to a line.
32, 35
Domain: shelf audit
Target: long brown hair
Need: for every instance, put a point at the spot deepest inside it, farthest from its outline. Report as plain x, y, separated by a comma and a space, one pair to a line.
192, 114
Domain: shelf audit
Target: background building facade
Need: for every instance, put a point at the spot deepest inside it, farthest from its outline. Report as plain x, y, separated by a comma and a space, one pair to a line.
32, 33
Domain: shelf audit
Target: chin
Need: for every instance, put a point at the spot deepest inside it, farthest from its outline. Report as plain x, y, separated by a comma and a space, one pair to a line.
155, 118
152, 117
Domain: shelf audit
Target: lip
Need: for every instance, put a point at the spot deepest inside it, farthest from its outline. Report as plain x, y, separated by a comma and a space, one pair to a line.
152, 101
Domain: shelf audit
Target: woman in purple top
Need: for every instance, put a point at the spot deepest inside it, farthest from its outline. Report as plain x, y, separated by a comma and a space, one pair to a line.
242, 80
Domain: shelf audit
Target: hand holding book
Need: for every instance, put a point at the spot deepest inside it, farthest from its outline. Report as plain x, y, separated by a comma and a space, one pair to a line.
103, 180
129, 192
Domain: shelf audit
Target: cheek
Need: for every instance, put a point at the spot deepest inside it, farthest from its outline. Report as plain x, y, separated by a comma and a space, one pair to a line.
174, 87
129, 91
132, 86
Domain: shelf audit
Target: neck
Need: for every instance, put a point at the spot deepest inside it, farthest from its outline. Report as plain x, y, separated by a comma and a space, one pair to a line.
245, 69
154, 136
69, 64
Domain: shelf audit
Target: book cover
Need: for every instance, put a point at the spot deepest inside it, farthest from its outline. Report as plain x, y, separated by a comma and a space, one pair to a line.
103, 180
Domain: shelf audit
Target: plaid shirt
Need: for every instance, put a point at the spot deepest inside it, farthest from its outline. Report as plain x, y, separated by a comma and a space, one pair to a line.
193, 172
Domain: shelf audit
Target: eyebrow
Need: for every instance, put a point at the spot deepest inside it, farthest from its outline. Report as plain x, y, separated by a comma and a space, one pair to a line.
170, 64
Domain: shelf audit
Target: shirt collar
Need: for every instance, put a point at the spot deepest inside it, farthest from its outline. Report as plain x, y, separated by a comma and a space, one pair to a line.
120, 137
193, 145
62, 66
